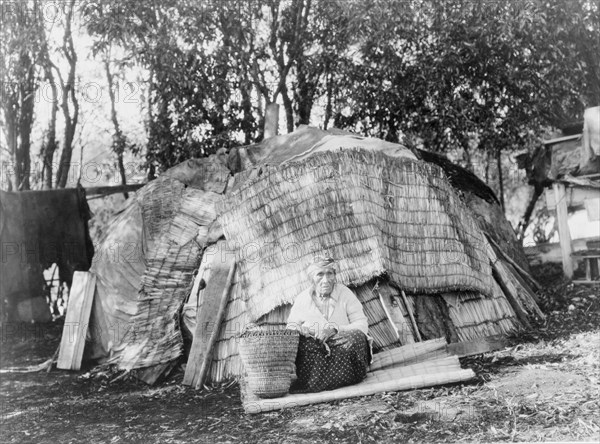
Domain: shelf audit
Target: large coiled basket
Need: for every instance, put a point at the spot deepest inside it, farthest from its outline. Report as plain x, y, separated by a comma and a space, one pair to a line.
269, 357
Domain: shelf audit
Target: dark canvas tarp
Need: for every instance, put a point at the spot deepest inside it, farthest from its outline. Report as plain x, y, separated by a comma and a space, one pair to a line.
37, 229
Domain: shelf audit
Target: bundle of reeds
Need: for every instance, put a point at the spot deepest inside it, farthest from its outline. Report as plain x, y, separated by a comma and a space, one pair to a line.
410, 354
476, 316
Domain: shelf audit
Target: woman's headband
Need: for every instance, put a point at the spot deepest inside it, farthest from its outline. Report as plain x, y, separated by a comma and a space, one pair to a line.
319, 263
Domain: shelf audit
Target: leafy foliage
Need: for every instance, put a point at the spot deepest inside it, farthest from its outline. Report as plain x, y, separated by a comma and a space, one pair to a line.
194, 101
21, 44
493, 72
472, 75
26, 59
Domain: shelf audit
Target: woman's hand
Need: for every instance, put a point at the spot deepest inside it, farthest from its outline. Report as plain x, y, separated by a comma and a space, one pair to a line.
306, 331
325, 334
342, 340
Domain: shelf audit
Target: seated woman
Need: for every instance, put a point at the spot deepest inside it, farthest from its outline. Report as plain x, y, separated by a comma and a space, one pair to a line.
334, 349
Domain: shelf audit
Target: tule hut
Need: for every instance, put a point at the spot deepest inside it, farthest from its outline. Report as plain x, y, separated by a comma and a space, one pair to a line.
421, 242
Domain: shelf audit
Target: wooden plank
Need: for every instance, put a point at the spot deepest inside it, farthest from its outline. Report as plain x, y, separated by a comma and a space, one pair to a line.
586, 254
594, 264
412, 318
512, 289
510, 292
561, 139
550, 252
391, 306
75, 328
477, 346
523, 283
586, 282
271, 120
211, 308
563, 229
105, 191
588, 269
592, 206
524, 273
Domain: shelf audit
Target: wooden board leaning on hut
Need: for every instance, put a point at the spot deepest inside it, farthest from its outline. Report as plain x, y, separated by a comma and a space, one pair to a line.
211, 308
75, 328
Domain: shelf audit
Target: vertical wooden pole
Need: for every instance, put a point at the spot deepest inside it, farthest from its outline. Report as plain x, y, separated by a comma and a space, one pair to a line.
563, 228
391, 306
410, 314
271, 120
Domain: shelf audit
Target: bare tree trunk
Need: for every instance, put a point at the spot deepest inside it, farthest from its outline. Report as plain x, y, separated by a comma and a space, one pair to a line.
50, 144
68, 95
304, 93
487, 168
500, 178
468, 157
11, 139
19, 84
151, 175
289, 110
247, 126
524, 223
119, 141
22, 153
328, 106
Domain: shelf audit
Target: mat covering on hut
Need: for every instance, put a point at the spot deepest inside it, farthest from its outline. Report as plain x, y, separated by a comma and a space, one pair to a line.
146, 264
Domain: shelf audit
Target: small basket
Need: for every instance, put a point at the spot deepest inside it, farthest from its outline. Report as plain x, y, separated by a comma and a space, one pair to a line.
269, 357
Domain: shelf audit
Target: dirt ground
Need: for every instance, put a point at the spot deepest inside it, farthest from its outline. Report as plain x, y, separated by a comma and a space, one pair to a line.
544, 387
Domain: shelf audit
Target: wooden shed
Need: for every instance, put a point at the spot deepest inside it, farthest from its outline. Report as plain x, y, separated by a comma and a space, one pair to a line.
567, 168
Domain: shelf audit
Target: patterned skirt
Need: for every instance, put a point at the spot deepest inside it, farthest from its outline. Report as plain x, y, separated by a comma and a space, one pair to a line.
321, 367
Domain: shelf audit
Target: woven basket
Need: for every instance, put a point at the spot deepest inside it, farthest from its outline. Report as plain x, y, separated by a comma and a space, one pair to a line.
269, 356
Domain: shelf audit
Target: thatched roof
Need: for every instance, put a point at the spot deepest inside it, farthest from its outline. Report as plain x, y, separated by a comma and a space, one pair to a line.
376, 214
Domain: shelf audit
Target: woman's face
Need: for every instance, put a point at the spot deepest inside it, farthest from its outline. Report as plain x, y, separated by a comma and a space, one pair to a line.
323, 280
